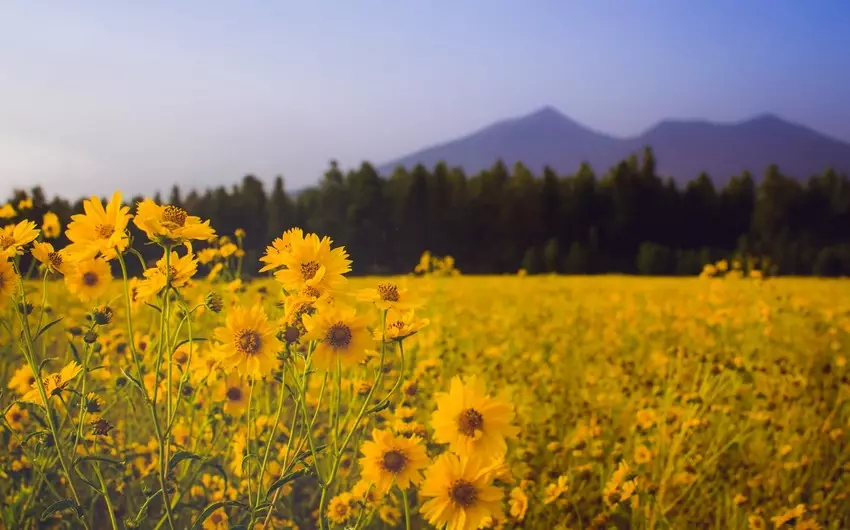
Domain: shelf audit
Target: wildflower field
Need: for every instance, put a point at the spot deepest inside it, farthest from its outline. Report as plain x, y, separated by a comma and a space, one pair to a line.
196, 397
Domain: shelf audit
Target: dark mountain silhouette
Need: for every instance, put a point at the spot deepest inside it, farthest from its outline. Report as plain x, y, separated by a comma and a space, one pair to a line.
683, 148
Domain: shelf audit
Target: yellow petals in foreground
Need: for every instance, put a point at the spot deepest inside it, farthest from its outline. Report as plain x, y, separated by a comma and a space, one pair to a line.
54, 383
89, 278
276, 253
389, 294
389, 459
311, 264
461, 493
343, 337
180, 268
471, 421
99, 230
14, 237
52, 260
247, 341
170, 222
8, 281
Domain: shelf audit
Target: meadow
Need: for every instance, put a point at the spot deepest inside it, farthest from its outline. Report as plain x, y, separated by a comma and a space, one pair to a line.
196, 397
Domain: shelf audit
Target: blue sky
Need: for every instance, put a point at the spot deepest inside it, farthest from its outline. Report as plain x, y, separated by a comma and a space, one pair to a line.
102, 95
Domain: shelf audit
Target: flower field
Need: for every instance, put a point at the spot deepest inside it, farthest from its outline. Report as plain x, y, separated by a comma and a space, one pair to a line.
193, 397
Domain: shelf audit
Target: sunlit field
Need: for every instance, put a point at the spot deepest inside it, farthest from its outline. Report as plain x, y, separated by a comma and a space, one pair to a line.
190, 398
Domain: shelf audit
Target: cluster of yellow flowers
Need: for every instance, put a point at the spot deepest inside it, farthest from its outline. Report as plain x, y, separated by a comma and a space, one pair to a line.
307, 399
740, 268
430, 265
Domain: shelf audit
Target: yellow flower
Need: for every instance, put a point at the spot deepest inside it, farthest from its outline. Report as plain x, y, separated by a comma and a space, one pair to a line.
228, 250
8, 281
755, 522
312, 264
471, 421
461, 493
642, 454
400, 325
7, 211
25, 203
89, 278
343, 336
273, 258
340, 508
555, 490
247, 341
794, 513
207, 255
518, 504
170, 222
239, 232
387, 295
389, 459
54, 261
217, 520
234, 392
14, 237
22, 380
54, 383
50, 226
99, 230
17, 417
180, 268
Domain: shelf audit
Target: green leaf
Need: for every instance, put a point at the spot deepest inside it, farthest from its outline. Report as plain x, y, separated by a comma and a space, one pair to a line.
180, 456
379, 407
45, 361
153, 306
64, 504
95, 458
289, 477
46, 327
75, 353
30, 435
133, 380
199, 522
187, 341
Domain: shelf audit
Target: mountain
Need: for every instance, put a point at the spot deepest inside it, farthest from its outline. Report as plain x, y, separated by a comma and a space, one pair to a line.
683, 148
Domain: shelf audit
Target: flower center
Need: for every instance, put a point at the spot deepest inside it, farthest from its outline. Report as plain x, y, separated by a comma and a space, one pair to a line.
16, 417
470, 421
312, 292
90, 279
174, 215
462, 492
309, 269
291, 334
234, 393
394, 461
342, 510
104, 231
339, 336
55, 260
6, 241
248, 341
388, 292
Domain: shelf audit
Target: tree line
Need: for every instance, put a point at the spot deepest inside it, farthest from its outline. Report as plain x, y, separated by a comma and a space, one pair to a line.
628, 220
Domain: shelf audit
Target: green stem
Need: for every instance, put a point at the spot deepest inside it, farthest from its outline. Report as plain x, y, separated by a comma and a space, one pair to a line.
406, 509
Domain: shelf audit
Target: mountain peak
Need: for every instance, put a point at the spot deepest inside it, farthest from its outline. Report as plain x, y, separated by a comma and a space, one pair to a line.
684, 148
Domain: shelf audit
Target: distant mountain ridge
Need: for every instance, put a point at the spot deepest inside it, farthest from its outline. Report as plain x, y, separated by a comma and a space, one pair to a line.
683, 148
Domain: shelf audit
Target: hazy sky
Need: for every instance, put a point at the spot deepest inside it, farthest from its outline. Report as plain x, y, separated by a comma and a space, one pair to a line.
139, 95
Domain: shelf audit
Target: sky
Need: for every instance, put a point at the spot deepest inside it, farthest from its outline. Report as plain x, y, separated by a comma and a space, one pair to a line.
138, 96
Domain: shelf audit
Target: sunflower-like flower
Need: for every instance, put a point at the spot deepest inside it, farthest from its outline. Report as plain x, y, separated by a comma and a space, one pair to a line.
180, 269
50, 226
55, 261
389, 294
7, 211
17, 417
8, 281
472, 421
247, 341
461, 492
400, 325
313, 266
14, 237
234, 392
343, 336
341, 508
171, 223
389, 459
89, 278
280, 247
22, 380
54, 383
99, 230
